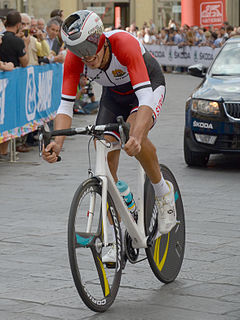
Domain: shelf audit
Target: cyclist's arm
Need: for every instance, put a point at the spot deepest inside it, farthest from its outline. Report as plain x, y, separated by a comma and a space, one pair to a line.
73, 67
62, 121
132, 57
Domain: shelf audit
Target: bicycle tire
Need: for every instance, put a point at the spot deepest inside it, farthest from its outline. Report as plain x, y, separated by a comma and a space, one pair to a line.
96, 284
166, 255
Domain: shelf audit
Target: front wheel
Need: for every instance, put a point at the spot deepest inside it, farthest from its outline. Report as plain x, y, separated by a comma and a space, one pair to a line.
96, 284
166, 255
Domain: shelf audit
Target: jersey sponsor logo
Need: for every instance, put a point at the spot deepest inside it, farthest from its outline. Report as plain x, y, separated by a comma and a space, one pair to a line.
118, 73
202, 125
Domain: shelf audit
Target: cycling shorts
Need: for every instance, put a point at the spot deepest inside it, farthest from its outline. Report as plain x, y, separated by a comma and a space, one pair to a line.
113, 104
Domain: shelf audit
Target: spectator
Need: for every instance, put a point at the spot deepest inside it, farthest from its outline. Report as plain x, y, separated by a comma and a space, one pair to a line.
57, 13
133, 29
53, 29
140, 35
200, 36
38, 47
85, 100
58, 43
41, 24
13, 49
229, 30
220, 39
170, 38
172, 24
208, 40
149, 37
152, 26
2, 27
190, 38
5, 66
163, 36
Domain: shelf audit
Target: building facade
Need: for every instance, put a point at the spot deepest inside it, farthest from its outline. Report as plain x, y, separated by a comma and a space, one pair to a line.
117, 12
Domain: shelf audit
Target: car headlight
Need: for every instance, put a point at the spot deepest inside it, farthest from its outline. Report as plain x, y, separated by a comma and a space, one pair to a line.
205, 106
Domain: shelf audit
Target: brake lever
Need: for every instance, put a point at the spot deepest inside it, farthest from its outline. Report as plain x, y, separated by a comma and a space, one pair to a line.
45, 139
124, 128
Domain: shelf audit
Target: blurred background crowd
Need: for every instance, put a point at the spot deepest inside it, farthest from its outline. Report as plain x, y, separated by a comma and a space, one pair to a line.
185, 35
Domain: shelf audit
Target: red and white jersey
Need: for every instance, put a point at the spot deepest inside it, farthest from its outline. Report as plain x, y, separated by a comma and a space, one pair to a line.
131, 69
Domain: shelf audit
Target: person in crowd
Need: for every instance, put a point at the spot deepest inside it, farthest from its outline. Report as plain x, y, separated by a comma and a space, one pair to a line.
133, 29
149, 37
85, 102
190, 37
38, 47
53, 29
163, 36
41, 25
5, 66
58, 44
170, 38
57, 13
140, 35
229, 30
2, 26
172, 24
208, 40
238, 30
13, 49
199, 36
152, 26
220, 39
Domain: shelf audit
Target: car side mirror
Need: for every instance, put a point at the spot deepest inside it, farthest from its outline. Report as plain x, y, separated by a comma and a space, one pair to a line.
197, 70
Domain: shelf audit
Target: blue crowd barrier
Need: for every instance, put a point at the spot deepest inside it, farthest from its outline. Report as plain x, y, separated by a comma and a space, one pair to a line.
28, 97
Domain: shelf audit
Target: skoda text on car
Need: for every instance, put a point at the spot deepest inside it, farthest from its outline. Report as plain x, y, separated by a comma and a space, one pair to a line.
213, 110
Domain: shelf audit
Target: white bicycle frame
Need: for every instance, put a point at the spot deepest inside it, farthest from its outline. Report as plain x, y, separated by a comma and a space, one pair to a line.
135, 230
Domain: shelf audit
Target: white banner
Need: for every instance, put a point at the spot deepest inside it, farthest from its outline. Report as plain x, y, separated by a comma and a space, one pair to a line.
185, 56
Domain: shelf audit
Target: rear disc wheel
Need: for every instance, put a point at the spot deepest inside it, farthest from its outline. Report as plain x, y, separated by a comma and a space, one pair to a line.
166, 255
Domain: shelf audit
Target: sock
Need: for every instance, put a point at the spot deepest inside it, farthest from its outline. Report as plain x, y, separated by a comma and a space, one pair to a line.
161, 188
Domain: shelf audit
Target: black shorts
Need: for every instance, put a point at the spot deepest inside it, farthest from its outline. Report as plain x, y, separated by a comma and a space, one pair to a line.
114, 104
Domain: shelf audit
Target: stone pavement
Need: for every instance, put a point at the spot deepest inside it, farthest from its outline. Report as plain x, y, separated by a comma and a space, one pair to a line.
35, 278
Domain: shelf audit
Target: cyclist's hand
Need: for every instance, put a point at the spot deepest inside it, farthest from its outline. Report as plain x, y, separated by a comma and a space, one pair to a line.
132, 147
50, 154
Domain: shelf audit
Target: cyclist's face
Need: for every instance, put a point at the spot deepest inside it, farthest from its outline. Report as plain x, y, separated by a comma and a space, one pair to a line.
95, 61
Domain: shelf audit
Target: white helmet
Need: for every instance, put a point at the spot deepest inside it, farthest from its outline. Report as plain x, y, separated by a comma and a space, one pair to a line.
82, 32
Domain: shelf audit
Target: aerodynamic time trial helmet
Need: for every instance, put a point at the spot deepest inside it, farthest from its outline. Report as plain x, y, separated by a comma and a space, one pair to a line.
82, 33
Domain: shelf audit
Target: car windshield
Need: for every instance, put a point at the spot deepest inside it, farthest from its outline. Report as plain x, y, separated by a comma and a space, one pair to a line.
228, 61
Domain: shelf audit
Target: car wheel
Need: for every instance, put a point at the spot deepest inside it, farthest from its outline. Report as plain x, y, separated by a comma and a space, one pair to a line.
192, 158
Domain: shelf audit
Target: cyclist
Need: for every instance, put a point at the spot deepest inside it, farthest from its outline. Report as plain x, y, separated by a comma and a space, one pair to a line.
133, 86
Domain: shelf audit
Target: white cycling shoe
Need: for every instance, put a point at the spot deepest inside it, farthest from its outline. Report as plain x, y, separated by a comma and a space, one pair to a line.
110, 256
166, 210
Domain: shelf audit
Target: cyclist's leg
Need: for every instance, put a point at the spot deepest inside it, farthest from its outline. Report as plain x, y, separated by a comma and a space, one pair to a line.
164, 190
111, 106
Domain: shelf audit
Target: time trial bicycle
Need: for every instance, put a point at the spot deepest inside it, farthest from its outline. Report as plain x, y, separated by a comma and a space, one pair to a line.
97, 201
